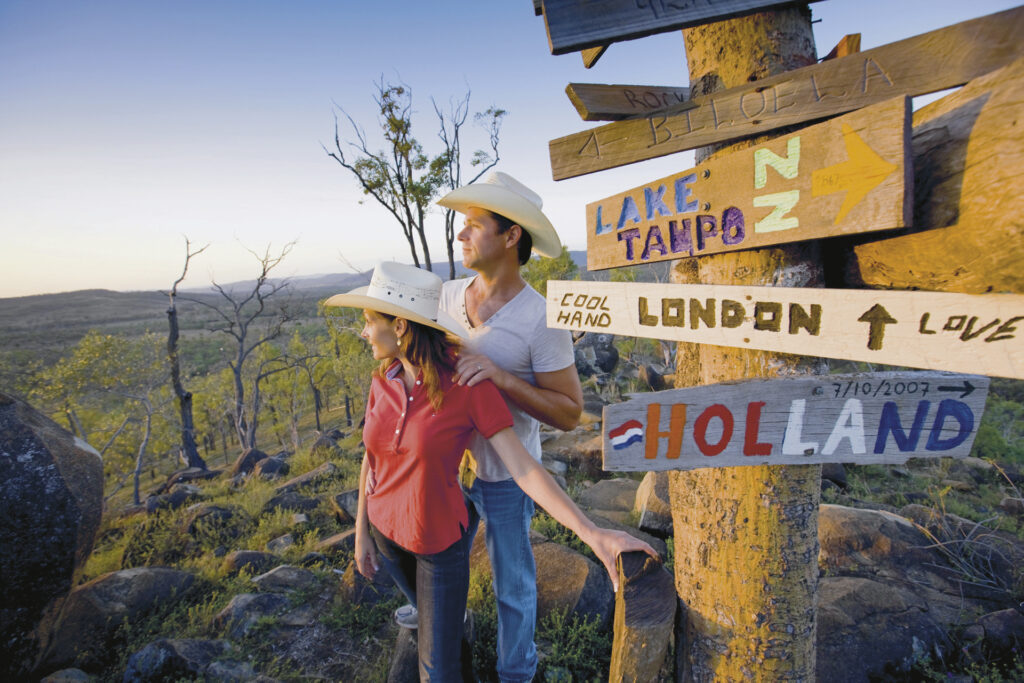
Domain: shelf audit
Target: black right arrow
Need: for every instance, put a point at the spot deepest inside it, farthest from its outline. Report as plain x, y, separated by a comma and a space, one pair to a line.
967, 388
878, 318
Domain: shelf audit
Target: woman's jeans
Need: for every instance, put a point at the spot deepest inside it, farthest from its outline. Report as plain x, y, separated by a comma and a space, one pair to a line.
437, 586
507, 511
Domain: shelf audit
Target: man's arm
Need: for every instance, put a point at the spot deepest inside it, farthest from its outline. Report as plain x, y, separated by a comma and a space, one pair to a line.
557, 400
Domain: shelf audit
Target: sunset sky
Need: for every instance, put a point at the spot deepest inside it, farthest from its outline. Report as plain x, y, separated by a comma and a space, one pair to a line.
127, 125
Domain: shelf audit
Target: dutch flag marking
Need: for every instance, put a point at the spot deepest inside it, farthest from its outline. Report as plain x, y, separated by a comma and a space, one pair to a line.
627, 434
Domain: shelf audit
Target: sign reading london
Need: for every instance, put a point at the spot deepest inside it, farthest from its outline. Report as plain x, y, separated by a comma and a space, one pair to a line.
864, 418
919, 65
844, 176
976, 333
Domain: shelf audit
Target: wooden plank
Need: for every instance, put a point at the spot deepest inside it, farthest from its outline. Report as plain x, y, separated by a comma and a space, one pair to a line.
598, 102
847, 45
591, 55
926, 63
933, 330
578, 24
538, 8
862, 418
847, 175
645, 611
969, 204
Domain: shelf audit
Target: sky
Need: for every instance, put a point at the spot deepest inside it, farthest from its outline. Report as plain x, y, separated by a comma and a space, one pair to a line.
127, 126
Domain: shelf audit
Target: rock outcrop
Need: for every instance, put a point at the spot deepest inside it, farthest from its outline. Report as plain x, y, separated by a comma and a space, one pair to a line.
51, 501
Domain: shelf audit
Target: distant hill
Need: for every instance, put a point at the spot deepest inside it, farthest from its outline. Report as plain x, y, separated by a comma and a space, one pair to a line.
46, 324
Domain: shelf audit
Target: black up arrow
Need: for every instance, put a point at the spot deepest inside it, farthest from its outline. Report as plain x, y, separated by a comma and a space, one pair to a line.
878, 318
967, 388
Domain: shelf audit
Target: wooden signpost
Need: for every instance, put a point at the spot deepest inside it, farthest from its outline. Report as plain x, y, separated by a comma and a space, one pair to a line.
847, 175
934, 330
865, 418
926, 63
578, 24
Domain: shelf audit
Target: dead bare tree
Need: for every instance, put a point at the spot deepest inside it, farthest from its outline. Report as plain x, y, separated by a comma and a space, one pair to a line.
240, 313
450, 160
189, 451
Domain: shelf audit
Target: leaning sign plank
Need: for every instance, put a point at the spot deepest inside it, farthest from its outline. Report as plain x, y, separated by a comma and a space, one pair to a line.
926, 63
866, 418
577, 24
847, 175
932, 330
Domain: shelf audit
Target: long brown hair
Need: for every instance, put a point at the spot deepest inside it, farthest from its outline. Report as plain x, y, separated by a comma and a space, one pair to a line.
429, 349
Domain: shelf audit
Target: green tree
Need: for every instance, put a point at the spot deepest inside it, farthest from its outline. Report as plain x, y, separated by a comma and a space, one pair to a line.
111, 390
350, 358
404, 179
538, 271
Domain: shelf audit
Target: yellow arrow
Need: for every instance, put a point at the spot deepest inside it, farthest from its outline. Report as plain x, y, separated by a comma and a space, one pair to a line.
863, 172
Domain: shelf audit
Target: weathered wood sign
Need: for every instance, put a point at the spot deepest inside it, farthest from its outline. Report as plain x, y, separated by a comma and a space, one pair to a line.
578, 24
926, 63
969, 207
591, 55
597, 102
844, 176
864, 418
934, 330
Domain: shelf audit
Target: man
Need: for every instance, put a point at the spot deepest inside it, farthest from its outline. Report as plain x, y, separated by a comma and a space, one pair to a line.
533, 366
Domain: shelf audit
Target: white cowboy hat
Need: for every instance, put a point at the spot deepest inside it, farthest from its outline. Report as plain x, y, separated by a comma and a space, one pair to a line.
403, 291
506, 196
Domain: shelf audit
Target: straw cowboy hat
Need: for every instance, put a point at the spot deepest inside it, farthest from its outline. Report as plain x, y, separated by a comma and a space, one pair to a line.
502, 194
403, 291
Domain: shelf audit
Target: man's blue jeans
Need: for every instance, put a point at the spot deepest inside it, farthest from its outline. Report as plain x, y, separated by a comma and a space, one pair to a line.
437, 586
507, 512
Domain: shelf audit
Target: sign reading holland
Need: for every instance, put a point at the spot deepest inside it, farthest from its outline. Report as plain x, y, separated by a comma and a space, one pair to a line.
847, 175
867, 418
932, 330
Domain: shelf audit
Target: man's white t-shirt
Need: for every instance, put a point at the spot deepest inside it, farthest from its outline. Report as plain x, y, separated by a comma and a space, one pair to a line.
516, 339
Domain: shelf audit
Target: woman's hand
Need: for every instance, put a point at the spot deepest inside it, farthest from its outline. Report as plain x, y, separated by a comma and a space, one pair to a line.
608, 543
366, 555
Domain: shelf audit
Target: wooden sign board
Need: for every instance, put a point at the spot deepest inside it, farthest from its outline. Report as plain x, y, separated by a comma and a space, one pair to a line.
596, 102
864, 418
847, 175
926, 63
979, 334
574, 25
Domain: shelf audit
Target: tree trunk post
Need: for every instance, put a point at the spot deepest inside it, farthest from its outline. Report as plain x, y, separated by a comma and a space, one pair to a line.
746, 545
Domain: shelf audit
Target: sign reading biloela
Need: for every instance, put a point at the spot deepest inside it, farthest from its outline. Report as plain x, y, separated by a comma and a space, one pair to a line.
864, 418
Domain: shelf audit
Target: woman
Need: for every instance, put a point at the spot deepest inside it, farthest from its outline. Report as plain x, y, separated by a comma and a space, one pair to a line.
418, 422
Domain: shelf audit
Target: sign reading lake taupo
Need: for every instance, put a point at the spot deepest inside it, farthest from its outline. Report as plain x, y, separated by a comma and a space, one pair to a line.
933, 330
847, 175
919, 65
867, 418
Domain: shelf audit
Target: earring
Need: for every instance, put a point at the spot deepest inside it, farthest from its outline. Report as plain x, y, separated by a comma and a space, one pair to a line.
399, 342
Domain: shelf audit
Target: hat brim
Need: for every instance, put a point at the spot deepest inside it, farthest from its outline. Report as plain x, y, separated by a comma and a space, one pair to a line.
510, 205
357, 298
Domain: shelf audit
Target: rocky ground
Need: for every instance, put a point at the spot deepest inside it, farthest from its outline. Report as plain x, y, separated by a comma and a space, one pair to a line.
246, 573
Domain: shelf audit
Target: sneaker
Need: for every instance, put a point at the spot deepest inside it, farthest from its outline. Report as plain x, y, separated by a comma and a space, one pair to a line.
407, 617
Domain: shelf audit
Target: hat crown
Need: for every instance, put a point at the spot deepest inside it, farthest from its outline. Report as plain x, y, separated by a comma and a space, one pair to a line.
512, 185
406, 286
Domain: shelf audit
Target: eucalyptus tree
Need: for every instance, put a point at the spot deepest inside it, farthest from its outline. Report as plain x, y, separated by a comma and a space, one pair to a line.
402, 177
